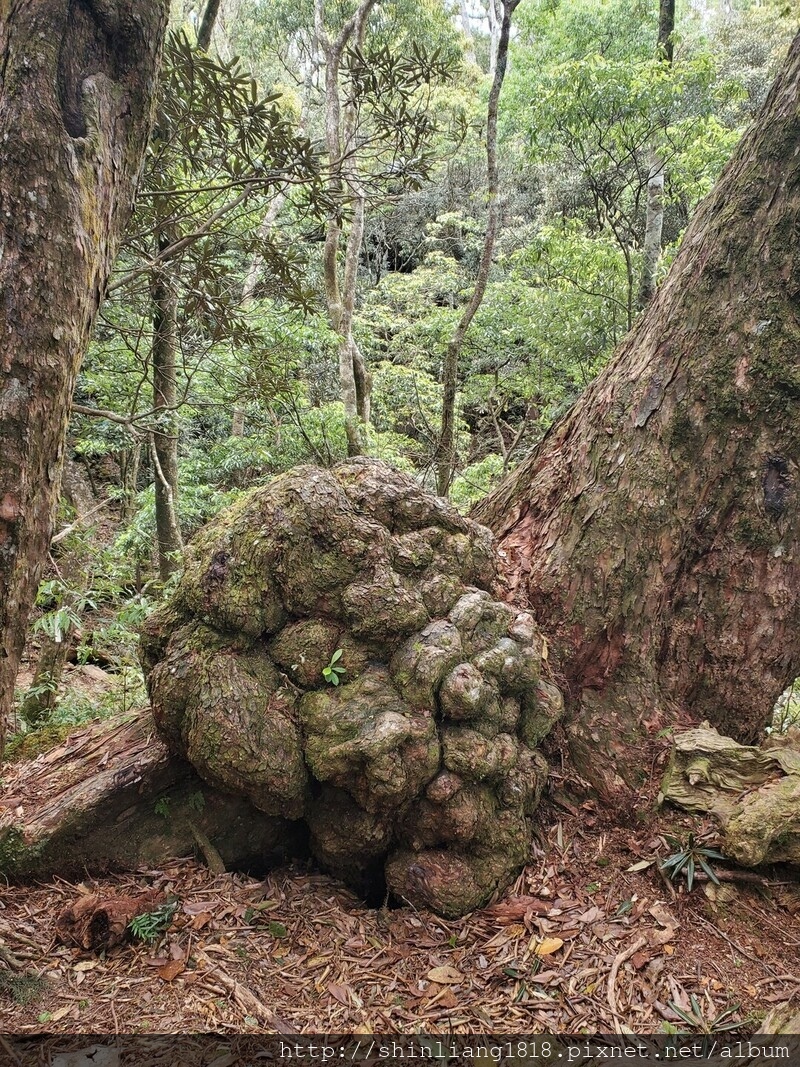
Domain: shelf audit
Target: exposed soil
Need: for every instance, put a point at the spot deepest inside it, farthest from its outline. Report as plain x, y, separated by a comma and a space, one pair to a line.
581, 943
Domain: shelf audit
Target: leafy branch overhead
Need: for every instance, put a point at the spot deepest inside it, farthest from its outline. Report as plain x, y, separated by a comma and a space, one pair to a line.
219, 152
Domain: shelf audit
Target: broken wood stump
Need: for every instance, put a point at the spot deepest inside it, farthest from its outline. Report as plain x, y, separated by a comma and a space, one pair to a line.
752, 792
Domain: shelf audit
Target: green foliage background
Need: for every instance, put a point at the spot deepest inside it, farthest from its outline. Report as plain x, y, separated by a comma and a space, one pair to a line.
239, 140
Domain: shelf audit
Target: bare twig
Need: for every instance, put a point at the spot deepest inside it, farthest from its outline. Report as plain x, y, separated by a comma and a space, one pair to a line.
664, 878
78, 522
103, 413
619, 959
733, 944
248, 1001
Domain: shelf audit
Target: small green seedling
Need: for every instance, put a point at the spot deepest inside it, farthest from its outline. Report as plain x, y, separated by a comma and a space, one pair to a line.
150, 925
687, 857
332, 672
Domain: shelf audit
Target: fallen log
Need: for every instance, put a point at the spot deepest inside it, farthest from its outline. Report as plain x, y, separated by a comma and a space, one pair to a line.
752, 792
112, 797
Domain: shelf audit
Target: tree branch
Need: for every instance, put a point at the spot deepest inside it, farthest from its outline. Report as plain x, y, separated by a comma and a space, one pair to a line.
178, 246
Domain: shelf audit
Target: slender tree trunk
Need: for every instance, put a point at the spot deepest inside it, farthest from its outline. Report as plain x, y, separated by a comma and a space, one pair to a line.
130, 480
495, 11
76, 82
249, 288
165, 437
204, 36
466, 29
206, 29
654, 221
655, 531
264, 230
40, 700
75, 488
356, 365
446, 450
355, 381
666, 29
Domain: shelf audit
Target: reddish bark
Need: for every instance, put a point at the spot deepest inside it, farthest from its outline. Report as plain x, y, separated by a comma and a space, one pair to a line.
99, 923
655, 530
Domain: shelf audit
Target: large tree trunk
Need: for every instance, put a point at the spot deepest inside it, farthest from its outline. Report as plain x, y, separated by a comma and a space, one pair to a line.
655, 530
76, 89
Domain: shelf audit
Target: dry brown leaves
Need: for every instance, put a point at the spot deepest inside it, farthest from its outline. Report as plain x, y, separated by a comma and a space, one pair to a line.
581, 943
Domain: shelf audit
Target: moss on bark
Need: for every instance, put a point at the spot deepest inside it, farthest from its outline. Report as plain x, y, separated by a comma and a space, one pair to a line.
418, 751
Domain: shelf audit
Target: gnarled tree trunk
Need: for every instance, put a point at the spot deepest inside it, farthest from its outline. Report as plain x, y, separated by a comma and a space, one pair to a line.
76, 88
655, 531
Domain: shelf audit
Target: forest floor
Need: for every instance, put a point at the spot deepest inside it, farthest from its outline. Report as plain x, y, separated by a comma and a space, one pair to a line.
591, 938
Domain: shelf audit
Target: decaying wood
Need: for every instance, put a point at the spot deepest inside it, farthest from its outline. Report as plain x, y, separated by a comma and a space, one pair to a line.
754, 793
100, 921
785, 1019
112, 797
247, 1000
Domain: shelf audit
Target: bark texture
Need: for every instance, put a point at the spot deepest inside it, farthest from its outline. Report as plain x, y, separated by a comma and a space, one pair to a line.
165, 437
112, 798
333, 654
76, 90
655, 531
753, 793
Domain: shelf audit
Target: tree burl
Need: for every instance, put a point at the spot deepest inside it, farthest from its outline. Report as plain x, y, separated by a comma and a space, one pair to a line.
421, 766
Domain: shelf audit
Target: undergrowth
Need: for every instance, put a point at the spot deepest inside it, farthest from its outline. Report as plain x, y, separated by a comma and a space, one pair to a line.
76, 708
21, 988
